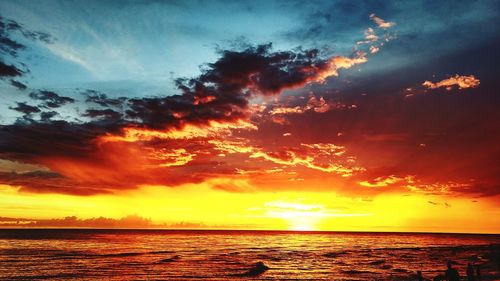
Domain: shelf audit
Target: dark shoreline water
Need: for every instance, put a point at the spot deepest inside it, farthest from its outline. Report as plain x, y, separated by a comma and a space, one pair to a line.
146, 254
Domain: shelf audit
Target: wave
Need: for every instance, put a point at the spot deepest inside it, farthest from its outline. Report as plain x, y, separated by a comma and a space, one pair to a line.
355, 272
377, 262
335, 254
129, 254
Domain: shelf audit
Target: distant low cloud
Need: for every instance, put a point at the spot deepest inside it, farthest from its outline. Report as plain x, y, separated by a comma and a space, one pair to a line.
131, 221
127, 222
460, 81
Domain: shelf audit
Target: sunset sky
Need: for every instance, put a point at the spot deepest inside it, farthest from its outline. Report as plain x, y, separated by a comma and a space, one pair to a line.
317, 115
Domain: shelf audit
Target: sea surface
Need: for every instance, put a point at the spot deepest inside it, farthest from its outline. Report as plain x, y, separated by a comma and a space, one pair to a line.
85, 254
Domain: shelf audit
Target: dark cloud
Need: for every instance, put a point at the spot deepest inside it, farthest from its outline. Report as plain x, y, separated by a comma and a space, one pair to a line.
25, 108
9, 26
51, 99
46, 116
107, 114
102, 99
8, 70
222, 91
18, 84
47, 182
30, 140
11, 47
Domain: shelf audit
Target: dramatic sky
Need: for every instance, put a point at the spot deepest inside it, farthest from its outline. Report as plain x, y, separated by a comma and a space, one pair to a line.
317, 115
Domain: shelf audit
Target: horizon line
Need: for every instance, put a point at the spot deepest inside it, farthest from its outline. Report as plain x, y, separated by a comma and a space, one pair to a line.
249, 230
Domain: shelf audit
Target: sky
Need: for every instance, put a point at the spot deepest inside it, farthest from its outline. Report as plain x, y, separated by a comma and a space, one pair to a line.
325, 115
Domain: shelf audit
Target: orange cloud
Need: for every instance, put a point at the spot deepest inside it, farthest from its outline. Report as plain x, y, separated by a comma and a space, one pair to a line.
386, 181
325, 157
172, 157
338, 62
461, 81
374, 49
189, 131
380, 22
370, 37
319, 105
287, 110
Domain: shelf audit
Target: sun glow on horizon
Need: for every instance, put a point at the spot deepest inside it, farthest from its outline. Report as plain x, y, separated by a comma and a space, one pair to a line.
201, 206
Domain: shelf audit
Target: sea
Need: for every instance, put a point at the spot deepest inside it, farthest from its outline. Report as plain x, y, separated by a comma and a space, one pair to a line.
99, 254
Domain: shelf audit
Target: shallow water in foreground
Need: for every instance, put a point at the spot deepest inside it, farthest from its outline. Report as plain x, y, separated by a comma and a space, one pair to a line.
56, 254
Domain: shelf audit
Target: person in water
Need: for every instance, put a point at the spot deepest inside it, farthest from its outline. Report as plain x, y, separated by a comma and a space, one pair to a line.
420, 277
470, 272
451, 273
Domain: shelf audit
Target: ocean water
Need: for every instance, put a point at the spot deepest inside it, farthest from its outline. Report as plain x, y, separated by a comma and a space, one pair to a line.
83, 254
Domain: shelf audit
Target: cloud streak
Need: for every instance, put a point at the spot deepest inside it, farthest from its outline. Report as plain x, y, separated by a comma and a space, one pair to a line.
460, 81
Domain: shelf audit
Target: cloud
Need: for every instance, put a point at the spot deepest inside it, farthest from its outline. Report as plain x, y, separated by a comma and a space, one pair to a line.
131, 221
428, 186
106, 114
174, 139
437, 204
18, 84
339, 62
102, 99
370, 37
25, 108
128, 222
50, 99
40, 181
8, 70
385, 181
380, 22
46, 116
297, 106
11, 48
324, 157
8, 26
374, 49
71, 54
461, 81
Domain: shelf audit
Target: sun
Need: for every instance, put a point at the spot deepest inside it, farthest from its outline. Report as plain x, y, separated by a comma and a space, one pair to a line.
298, 216
303, 224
